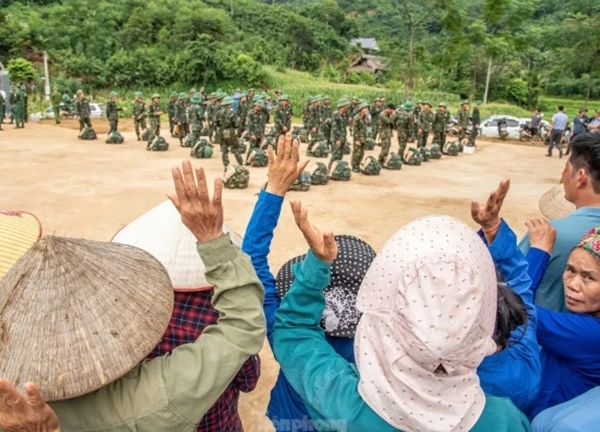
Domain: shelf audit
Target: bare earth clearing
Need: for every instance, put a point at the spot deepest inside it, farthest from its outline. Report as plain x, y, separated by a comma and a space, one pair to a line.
90, 189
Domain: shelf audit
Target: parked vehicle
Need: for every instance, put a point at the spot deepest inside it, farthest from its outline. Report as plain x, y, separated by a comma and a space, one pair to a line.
96, 110
489, 126
502, 131
453, 127
525, 133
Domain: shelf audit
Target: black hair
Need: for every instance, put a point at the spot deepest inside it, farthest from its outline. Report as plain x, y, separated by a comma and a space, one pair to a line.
585, 154
560, 107
510, 315
391, 106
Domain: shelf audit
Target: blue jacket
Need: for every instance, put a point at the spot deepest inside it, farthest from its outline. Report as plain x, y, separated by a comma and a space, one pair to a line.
519, 362
286, 406
577, 415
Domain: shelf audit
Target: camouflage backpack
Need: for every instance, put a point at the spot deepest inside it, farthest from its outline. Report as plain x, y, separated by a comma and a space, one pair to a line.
236, 177
370, 166
87, 134
415, 157
370, 144
393, 162
340, 170
451, 149
460, 147
270, 141
114, 138
205, 131
241, 145
435, 151
191, 140
303, 136
347, 148
148, 135
302, 183
425, 154
321, 150
159, 144
319, 175
202, 150
259, 158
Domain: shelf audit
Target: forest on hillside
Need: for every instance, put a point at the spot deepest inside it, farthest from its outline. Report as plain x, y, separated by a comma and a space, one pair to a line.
522, 48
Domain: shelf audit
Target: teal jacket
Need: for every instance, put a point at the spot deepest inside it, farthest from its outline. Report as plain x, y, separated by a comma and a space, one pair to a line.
327, 383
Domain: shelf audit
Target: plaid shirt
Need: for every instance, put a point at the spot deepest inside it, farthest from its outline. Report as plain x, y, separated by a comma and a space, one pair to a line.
192, 313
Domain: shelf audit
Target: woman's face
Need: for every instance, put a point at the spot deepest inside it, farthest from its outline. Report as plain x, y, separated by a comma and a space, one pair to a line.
582, 283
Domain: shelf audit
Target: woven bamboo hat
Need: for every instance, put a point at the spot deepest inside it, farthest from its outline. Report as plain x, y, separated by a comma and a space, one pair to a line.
76, 315
18, 232
161, 233
554, 205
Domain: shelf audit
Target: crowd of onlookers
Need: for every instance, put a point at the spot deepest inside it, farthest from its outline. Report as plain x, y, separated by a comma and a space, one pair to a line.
443, 329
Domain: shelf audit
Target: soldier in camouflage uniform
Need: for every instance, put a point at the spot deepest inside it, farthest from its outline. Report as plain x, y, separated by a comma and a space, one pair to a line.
82, 110
338, 131
415, 125
440, 125
462, 120
314, 123
476, 119
376, 110
219, 112
154, 113
306, 113
255, 128
386, 120
196, 115
243, 109
283, 117
229, 122
181, 115
359, 126
171, 111
112, 112
424, 125
404, 121
325, 118
352, 112
139, 114
55, 98
211, 115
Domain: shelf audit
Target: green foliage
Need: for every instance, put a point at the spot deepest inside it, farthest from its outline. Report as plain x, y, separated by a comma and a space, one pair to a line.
20, 70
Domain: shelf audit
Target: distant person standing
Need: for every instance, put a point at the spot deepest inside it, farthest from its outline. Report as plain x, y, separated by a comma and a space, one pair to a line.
534, 125
476, 120
557, 130
56, 99
82, 110
594, 125
2, 107
579, 126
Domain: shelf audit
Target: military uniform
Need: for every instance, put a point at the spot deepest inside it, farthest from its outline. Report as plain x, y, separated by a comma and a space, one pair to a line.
424, 125
306, 113
181, 115
242, 112
375, 113
338, 132
404, 121
139, 115
229, 122
196, 114
352, 113
462, 119
68, 103
476, 119
325, 119
171, 111
283, 118
112, 113
154, 113
56, 98
416, 112
384, 128
314, 123
440, 126
82, 109
255, 128
359, 127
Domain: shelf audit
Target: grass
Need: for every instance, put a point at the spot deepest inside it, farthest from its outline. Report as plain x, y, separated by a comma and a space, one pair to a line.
572, 106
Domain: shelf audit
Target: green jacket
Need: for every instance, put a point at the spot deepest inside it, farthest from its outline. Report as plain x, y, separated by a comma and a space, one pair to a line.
82, 108
476, 116
153, 115
173, 392
338, 128
359, 127
56, 98
255, 124
425, 121
139, 110
462, 118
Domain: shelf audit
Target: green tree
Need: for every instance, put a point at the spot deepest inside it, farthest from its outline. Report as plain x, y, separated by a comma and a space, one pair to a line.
21, 70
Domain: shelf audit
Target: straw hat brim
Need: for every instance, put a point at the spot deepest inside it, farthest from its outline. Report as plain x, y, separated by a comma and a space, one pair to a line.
162, 234
18, 232
76, 315
554, 205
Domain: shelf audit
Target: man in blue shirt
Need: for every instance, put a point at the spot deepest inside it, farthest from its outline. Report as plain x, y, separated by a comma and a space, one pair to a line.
581, 180
557, 130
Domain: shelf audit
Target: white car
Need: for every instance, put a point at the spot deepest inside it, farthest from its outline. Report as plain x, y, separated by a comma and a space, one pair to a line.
489, 126
96, 111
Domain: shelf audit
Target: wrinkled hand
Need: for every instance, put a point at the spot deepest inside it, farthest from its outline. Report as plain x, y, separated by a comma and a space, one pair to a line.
20, 414
488, 217
322, 244
202, 216
284, 168
542, 235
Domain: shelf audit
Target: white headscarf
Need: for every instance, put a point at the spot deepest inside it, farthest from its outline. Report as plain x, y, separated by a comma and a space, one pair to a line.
429, 299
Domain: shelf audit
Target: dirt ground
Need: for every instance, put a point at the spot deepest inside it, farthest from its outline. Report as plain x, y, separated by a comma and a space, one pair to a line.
89, 189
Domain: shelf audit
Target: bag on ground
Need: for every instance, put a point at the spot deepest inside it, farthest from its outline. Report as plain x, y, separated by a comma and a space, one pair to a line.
340, 171
236, 177
258, 158
435, 151
451, 149
191, 140
202, 150
425, 154
87, 134
302, 183
114, 138
393, 162
319, 174
370, 166
321, 150
415, 158
148, 135
159, 144
370, 144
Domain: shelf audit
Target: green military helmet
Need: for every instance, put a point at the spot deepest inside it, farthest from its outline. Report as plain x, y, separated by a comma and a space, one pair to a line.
213, 95
442, 104
326, 97
427, 103
196, 99
355, 98
155, 96
363, 105
478, 102
420, 101
182, 96
408, 106
219, 91
309, 98
221, 95
343, 102
317, 99
79, 92
193, 90
228, 100
174, 94
465, 102
139, 94
113, 94
243, 95
284, 98
259, 103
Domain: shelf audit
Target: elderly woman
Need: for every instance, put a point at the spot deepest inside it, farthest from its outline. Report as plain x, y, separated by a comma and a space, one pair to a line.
429, 312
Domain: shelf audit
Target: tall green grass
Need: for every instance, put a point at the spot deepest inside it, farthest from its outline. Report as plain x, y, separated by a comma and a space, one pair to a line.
572, 106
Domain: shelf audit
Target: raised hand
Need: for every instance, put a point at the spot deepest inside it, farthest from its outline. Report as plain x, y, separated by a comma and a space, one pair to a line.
488, 217
284, 168
20, 414
322, 244
542, 235
202, 215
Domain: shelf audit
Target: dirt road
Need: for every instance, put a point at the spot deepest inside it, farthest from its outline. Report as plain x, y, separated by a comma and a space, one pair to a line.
90, 189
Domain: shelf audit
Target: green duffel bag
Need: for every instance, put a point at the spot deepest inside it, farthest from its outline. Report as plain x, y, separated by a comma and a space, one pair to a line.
302, 183
148, 135
319, 174
451, 149
370, 144
159, 144
415, 158
393, 162
340, 171
88, 134
321, 150
435, 151
202, 150
425, 154
205, 131
370, 166
114, 138
191, 140
258, 158
236, 177
270, 141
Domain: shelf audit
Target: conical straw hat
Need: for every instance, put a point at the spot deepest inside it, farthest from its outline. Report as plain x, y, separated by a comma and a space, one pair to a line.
75, 315
161, 233
554, 205
18, 232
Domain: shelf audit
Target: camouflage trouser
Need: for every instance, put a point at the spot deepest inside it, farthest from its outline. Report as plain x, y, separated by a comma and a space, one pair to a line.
253, 144
140, 125
358, 154
402, 140
56, 111
155, 126
114, 124
312, 140
172, 124
386, 143
337, 153
231, 145
326, 130
422, 139
412, 131
461, 134
83, 122
439, 137
474, 133
375, 131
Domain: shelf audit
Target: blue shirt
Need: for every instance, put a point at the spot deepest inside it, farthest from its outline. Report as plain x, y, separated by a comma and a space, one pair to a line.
569, 232
577, 415
570, 353
578, 125
519, 361
560, 121
285, 406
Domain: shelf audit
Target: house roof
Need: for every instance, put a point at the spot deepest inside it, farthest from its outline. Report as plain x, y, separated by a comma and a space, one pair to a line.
365, 43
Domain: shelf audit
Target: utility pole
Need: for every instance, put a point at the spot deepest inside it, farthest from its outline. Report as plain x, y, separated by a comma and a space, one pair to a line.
47, 77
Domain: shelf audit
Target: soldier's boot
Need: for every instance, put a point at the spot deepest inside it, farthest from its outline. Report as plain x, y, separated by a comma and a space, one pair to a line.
310, 147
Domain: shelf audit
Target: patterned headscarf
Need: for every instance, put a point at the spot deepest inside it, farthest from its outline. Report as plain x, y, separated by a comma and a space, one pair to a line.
591, 241
340, 316
429, 312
